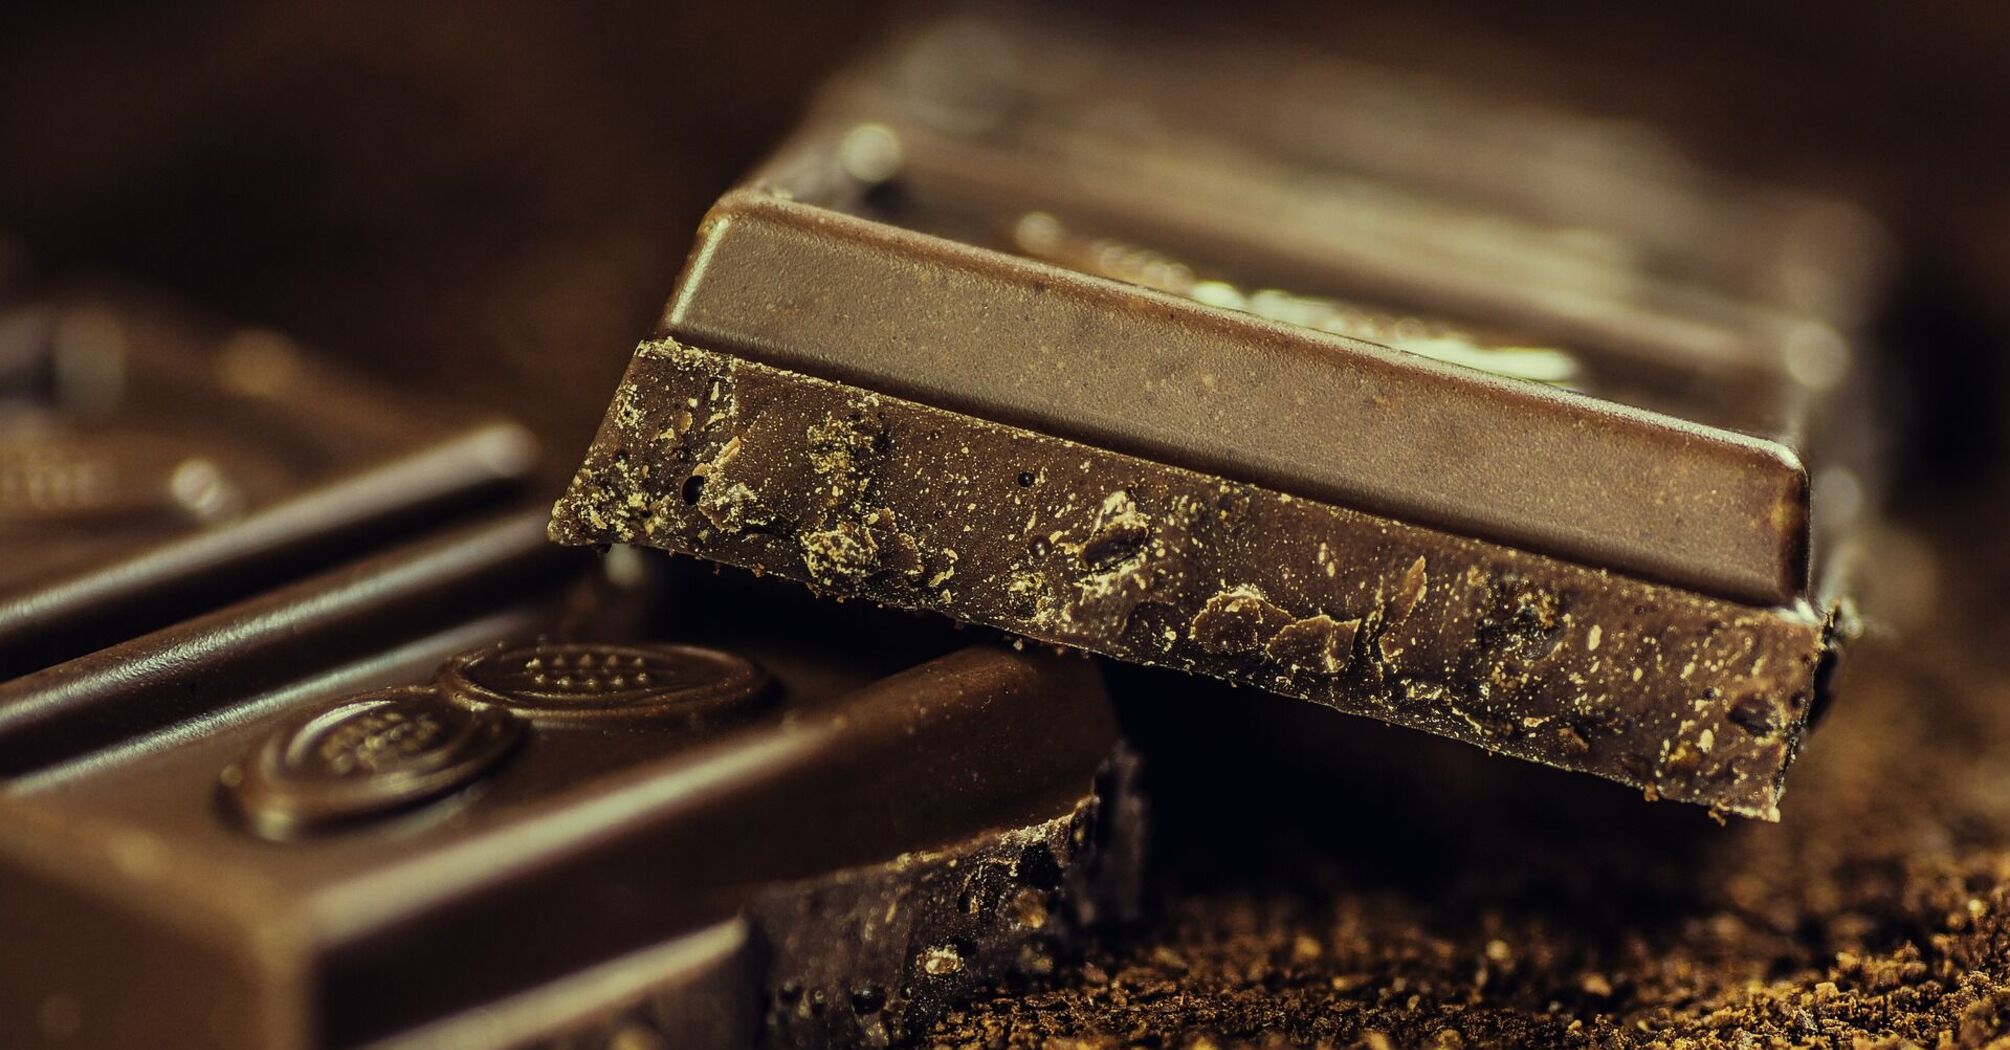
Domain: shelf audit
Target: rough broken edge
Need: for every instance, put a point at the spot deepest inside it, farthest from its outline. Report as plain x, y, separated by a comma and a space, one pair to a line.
874, 956
856, 493
861, 957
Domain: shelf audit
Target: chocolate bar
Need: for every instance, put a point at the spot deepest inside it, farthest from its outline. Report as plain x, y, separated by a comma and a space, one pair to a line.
961, 348
465, 793
154, 464
1385, 159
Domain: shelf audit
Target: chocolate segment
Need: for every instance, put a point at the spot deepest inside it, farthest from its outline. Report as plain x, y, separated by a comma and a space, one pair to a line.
944, 170
154, 464
1296, 410
1111, 367
380, 617
1405, 157
461, 829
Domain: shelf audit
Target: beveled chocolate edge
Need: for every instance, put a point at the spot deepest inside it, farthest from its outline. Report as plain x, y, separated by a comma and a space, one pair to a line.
806, 954
1641, 318
190, 669
478, 466
1045, 718
404, 465
1688, 696
1040, 347
696, 989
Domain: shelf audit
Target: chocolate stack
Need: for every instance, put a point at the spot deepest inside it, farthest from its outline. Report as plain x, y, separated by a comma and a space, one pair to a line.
1030, 328
1464, 416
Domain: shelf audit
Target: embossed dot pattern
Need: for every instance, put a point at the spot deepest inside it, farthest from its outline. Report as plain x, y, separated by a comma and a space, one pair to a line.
560, 679
376, 740
373, 754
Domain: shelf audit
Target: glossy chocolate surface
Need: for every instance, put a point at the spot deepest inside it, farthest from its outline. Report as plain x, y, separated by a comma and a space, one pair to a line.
1664, 391
154, 464
1053, 344
426, 831
1320, 416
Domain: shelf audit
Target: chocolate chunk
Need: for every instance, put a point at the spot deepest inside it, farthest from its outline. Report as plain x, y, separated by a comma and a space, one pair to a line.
1106, 387
154, 464
458, 795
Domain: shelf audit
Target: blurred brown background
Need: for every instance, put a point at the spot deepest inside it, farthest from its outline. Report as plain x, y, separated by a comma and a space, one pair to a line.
495, 198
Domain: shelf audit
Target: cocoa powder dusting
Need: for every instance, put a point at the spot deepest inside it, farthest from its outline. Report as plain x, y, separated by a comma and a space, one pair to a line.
1421, 895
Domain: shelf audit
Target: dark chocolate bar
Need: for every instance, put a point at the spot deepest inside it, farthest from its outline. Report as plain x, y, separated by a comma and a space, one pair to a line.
153, 464
458, 795
1112, 394
1401, 161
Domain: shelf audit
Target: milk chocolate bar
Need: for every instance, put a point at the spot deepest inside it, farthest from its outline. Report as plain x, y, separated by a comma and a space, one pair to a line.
1119, 396
154, 464
472, 793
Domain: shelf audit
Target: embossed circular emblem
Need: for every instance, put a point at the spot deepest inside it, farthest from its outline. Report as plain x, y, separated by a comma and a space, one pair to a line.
579, 683
375, 753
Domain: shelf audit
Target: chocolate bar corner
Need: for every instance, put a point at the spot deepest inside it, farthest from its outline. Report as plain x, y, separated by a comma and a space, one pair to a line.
457, 795
156, 464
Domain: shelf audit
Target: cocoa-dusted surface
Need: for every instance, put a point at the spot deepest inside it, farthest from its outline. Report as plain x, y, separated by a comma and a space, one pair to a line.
910, 505
1445, 900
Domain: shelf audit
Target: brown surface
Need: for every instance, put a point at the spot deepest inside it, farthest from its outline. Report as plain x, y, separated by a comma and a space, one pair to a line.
859, 494
426, 189
1016, 341
353, 838
1877, 914
296, 462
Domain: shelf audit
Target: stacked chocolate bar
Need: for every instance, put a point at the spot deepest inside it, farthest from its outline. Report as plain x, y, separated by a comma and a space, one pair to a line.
1454, 414
1033, 328
474, 789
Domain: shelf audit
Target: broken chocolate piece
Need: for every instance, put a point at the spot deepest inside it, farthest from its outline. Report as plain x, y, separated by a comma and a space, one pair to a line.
420, 802
1520, 653
1107, 394
153, 465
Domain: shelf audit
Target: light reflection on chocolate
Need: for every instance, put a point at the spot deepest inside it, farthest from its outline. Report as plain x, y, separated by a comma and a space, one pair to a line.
1044, 237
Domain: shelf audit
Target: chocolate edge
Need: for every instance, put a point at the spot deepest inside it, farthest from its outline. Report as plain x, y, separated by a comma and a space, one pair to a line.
1514, 652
